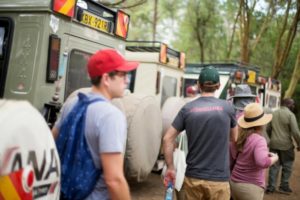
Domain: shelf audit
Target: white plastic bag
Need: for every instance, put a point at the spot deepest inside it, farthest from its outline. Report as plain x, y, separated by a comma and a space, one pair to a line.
179, 163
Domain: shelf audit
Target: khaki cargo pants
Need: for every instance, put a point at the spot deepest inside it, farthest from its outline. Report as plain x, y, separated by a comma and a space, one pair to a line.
197, 189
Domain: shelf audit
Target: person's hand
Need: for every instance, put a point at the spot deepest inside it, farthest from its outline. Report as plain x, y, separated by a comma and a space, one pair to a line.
274, 157
271, 154
169, 176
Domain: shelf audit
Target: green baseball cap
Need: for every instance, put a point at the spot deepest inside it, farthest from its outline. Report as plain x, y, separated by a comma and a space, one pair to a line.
209, 75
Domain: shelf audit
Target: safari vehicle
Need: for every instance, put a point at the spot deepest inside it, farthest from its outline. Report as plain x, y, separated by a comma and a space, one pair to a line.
267, 90
45, 44
159, 75
159, 64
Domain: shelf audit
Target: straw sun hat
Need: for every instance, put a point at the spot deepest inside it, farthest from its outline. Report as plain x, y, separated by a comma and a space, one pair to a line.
254, 116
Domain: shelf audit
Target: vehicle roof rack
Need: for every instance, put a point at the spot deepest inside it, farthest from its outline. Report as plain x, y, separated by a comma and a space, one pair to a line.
222, 66
143, 46
149, 46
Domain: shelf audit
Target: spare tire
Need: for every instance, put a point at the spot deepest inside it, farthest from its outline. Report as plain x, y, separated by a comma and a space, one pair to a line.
27, 149
75, 93
170, 109
144, 134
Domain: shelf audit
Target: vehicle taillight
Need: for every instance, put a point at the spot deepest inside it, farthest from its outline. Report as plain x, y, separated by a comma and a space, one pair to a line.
53, 58
163, 53
122, 24
182, 60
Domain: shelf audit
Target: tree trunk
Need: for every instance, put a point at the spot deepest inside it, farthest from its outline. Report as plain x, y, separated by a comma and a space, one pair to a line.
233, 33
282, 49
200, 43
245, 30
264, 26
154, 20
295, 78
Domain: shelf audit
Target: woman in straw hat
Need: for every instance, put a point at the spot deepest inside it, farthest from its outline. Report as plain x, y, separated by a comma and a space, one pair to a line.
250, 156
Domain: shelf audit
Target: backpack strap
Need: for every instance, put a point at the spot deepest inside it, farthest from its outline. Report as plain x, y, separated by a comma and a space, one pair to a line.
75, 115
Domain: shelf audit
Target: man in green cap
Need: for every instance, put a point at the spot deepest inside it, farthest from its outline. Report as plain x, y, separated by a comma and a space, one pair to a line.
210, 124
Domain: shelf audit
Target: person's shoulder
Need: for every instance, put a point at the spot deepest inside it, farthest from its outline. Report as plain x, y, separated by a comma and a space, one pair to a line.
223, 101
226, 104
104, 107
257, 138
285, 110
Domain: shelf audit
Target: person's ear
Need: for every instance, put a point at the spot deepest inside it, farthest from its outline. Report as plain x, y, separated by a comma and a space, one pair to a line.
105, 79
218, 86
198, 84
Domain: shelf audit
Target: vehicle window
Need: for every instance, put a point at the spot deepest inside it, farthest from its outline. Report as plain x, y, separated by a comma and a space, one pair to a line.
77, 76
188, 82
131, 80
253, 89
168, 88
272, 101
2, 32
6, 28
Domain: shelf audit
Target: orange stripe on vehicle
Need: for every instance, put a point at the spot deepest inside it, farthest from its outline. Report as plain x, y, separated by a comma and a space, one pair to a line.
67, 7
58, 4
1, 197
7, 189
122, 26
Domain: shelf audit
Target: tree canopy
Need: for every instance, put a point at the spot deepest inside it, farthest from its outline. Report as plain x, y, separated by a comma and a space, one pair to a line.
265, 33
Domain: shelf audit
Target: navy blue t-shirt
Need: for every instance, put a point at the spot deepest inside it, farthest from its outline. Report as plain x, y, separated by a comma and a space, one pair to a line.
207, 121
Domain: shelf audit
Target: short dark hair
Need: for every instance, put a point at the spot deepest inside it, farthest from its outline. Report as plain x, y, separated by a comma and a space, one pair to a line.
208, 88
96, 80
289, 103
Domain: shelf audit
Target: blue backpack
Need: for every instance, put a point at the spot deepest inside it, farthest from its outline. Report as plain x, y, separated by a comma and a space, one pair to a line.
78, 172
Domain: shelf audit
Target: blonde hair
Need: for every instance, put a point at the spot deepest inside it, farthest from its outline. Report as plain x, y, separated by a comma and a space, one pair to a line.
244, 133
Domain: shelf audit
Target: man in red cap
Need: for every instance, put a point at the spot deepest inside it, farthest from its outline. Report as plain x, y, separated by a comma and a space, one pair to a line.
105, 125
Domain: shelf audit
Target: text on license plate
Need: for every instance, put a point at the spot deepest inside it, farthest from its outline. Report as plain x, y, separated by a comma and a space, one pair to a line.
95, 22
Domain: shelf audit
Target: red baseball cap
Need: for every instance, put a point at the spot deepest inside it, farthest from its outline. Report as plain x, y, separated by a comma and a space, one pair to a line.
108, 60
191, 90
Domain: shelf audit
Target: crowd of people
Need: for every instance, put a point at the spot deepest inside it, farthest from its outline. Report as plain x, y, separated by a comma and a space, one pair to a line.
227, 152
219, 169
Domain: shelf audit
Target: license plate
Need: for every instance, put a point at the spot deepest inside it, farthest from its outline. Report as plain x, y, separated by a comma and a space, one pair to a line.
95, 22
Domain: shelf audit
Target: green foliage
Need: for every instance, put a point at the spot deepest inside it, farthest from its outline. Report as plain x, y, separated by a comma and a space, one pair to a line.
179, 21
201, 18
141, 22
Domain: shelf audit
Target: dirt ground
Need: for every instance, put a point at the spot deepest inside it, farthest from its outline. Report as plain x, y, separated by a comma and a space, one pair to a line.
152, 189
